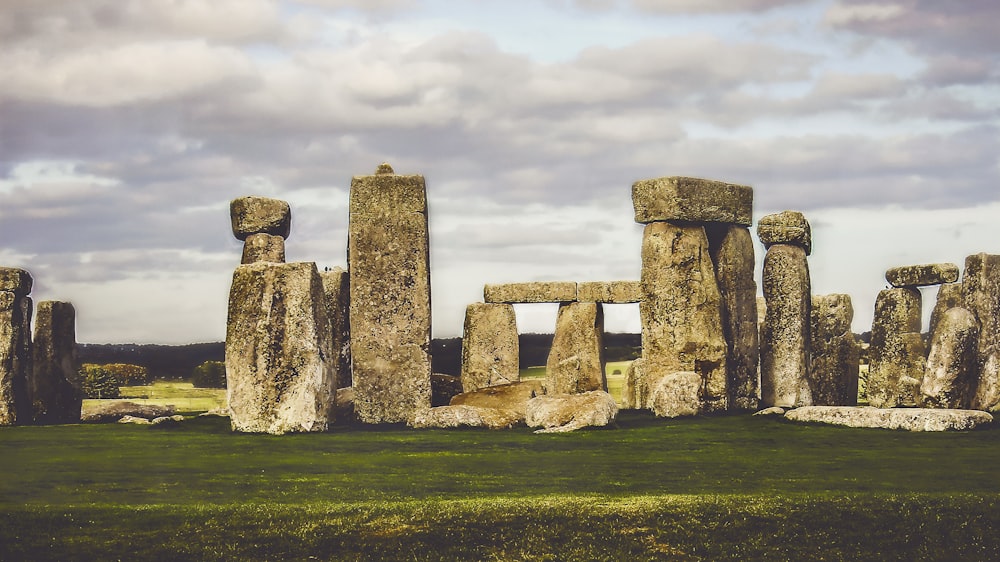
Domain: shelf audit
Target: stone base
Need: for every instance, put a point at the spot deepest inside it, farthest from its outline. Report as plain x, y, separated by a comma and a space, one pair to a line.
465, 416
910, 419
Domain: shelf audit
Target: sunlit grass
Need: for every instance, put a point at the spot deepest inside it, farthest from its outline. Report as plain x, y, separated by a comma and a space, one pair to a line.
183, 396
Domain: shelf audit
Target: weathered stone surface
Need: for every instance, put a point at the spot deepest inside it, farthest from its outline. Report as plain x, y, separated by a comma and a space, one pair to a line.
834, 362
278, 350
982, 297
610, 292
897, 313
951, 363
15, 280
444, 388
949, 296
15, 358
558, 413
490, 348
732, 253
922, 275
530, 292
344, 406
681, 313
909, 419
110, 412
260, 215
676, 395
390, 296
635, 389
513, 397
167, 420
337, 288
784, 340
772, 411
134, 420
786, 227
678, 198
263, 247
465, 416
576, 360
55, 386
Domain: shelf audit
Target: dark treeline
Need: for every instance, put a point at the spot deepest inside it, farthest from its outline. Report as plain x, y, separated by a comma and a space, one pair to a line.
179, 361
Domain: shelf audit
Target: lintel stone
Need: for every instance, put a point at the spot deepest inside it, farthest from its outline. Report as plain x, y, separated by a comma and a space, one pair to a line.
922, 275
610, 292
531, 292
786, 227
257, 215
678, 198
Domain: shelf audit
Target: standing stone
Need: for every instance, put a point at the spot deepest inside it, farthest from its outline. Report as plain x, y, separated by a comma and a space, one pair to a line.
634, 389
982, 297
733, 255
949, 296
897, 313
388, 255
835, 355
490, 348
279, 371
576, 360
15, 346
263, 247
951, 362
682, 310
260, 215
336, 287
784, 340
55, 387
676, 395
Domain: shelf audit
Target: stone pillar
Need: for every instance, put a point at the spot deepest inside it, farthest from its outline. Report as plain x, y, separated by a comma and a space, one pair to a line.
834, 352
336, 286
785, 338
490, 348
949, 296
576, 360
15, 346
388, 259
895, 345
280, 378
55, 386
949, 379
733, 255
981, 292
263, 224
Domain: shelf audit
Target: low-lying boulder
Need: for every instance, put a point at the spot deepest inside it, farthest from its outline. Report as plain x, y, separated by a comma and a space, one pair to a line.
676, 395
772, 411
167, 420
465, 416
111, 412
513, 396
134, 420
910, 419
559, 413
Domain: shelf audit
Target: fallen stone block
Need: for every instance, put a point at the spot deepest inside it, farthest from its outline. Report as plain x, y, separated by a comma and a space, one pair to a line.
909, 419
677, 198
530, 292
676, 395
609, 292
922, 275
512, 397
260, 215
134, 420
110, 412
559, 413
465, 416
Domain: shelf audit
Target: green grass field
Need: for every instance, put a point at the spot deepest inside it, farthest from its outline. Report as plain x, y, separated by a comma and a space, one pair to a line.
725, 488
615, 381
181, 395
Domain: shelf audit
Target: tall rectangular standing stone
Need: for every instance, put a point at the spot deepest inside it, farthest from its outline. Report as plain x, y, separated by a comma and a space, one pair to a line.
336, 285
55, 387
981, 290
388, 261
490, 346
15, 346
896, 349
834, 363
576, 360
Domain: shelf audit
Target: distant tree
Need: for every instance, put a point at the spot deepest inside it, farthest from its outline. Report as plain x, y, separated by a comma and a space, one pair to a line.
129, 375
98, 382
210, 374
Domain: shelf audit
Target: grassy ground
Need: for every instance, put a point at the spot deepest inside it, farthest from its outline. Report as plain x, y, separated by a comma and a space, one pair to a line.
181, 395
703, 488
615, 381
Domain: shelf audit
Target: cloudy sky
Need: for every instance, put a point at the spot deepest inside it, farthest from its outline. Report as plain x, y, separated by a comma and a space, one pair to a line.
126, 127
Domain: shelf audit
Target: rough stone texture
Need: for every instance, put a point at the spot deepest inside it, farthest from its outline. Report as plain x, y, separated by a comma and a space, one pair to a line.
260, 215
949, 296
15, 280
559, 413
389, 268
951, 363
490, 348
134, 420
110, 412
772, 411
279, 371
610, 292
897, 312
909, 419
513, 397
15, 358
634, 389
337, 288
444, 388
676, 395
531, 292
732, 253
344, 406
691, 200
681, 312
167, 420
834, 361
55, 386
786, 227
263, 247
576, 360
465, 416
784, 340
922, 275
982, 297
